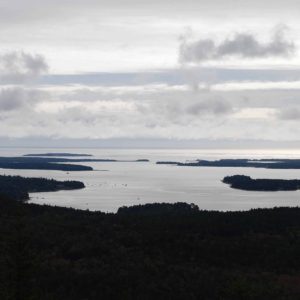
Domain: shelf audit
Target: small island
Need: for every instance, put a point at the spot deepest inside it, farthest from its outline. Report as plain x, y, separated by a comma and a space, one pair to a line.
18, 188
247, 183
142, 160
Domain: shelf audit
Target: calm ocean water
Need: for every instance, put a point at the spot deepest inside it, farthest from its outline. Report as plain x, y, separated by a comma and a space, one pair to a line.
112, 185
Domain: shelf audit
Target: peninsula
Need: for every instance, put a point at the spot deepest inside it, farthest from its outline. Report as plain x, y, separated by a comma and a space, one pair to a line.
18, 188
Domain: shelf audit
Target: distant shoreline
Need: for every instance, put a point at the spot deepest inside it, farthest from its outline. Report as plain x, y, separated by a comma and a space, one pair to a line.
273, 163
54, 162
57, 154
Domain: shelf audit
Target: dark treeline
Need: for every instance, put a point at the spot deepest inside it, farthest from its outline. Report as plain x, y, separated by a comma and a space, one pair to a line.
18, 188
158, 251
247, 183
249, 163
158, 209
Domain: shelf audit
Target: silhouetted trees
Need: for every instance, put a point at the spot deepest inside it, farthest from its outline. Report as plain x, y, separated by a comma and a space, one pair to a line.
146, 252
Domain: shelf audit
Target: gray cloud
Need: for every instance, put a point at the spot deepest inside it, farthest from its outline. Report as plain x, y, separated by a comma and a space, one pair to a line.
16, 98
18, 67
214, 106
186, 109
11, 99
244, 45
289, 114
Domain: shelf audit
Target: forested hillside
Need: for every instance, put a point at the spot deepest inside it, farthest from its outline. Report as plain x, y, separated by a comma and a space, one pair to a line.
158, 251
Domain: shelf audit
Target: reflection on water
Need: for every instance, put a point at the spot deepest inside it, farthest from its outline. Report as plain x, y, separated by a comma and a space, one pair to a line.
129, 183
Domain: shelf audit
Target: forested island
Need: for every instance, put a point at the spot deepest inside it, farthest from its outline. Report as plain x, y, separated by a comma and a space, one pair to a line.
18, 188
156, 251
249, 163
243, 182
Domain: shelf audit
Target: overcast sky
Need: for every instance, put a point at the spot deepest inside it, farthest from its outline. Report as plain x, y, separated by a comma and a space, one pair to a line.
126, 69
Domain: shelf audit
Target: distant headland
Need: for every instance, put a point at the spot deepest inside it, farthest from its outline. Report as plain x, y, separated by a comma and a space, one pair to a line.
18, 188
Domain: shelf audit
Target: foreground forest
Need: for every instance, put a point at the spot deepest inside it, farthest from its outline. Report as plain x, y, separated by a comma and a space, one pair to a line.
156, 251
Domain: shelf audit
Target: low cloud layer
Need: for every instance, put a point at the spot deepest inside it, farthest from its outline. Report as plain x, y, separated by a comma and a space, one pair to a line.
241, 45
18, 67
158, 111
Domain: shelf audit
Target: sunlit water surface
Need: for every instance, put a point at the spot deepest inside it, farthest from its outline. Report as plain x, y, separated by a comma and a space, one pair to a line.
115, 184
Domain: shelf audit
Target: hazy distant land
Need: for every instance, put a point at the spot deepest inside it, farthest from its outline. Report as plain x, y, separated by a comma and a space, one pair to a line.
38, 162
249, 163
59, 154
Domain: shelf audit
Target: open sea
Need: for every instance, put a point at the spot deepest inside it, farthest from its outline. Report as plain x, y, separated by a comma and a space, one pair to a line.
115, 184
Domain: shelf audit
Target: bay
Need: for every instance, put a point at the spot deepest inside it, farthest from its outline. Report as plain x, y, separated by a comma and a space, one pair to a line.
115, 184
